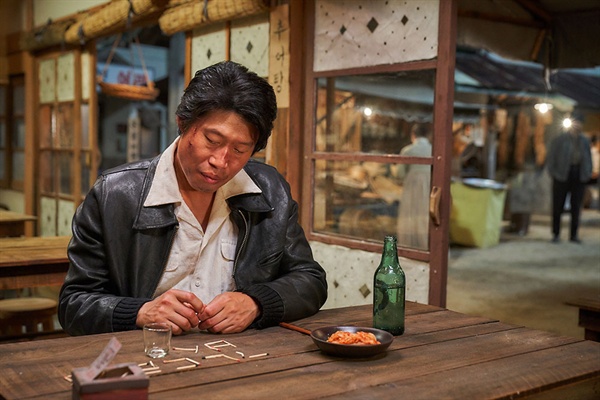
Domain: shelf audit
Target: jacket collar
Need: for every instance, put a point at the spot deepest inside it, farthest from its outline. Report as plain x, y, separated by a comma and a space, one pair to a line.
158, 216
163, 215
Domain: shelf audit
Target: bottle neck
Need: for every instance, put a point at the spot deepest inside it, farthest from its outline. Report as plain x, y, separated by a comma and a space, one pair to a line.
390, 251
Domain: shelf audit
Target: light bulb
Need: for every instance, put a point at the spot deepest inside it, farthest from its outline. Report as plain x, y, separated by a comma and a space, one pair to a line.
543, 108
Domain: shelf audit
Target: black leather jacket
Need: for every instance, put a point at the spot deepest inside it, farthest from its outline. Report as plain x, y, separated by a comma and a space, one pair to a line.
120, 248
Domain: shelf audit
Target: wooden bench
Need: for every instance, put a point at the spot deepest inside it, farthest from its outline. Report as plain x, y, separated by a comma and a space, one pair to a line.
589, 316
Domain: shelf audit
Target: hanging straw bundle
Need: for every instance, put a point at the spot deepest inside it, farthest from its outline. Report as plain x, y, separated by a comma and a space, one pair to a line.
114, 16
51, 34
190, 15
72, 34
107, 19
146, 7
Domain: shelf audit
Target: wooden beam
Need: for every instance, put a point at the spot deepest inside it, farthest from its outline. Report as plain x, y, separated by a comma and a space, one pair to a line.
537, 45
31, 140
529, 23
536, 10
442, 156
297, 127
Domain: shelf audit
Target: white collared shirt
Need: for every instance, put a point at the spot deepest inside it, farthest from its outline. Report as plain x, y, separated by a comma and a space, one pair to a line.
199, 262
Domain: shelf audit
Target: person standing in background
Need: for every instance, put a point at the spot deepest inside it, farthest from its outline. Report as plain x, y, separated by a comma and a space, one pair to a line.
569, 163
595, 144
413, 214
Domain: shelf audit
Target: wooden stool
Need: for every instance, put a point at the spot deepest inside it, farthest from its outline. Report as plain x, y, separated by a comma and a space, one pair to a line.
26, 312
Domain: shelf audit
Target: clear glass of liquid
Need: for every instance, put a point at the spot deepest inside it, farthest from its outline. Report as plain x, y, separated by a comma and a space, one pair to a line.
157, 339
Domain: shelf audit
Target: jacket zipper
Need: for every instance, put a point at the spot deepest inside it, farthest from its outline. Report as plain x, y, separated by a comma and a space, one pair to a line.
245, 239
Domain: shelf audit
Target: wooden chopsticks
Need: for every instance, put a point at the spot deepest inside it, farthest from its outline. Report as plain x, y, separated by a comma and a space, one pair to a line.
294, 328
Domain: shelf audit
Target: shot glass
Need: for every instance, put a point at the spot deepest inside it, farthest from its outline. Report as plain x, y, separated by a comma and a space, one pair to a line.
157, 339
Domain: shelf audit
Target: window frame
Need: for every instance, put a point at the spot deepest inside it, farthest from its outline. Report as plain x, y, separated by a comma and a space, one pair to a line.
440, 161
9, 119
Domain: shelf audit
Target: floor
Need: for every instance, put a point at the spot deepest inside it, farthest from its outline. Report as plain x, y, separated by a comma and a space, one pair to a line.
526, 280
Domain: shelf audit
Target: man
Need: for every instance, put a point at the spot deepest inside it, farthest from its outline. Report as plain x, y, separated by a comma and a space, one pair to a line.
201, 236
569, 163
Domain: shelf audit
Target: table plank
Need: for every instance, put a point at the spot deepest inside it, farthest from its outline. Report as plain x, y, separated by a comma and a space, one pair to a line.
33, 250
306, 353
29, 361
437, 343
12, 216
540, 373
13, 223
34, 242
338, 376
33, 261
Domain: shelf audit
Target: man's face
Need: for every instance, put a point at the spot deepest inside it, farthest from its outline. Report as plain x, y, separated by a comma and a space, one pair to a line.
214, 150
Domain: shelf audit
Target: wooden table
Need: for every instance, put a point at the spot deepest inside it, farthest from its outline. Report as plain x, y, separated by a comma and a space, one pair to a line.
589, 316
443, 354
27, 262
13, 223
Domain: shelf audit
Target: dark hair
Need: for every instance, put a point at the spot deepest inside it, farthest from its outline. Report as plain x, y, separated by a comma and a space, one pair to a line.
229, 86
420, 130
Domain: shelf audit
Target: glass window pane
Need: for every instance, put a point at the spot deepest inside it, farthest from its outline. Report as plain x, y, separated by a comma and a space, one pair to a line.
46, 125
369, 200
413, 211
2, 101
18, 167
65, 178
347, 203
2, 163
85, 172
2, 135
85, 132
372, 113
46, 172
19, 100
19, 134
64, 125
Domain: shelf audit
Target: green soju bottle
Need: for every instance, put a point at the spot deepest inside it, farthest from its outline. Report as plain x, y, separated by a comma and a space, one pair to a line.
389, 285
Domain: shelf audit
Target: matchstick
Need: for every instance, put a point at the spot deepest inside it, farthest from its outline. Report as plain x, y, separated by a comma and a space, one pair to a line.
258, 355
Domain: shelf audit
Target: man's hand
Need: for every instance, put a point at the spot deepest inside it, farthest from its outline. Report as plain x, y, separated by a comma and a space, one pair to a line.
175, 307
229, 312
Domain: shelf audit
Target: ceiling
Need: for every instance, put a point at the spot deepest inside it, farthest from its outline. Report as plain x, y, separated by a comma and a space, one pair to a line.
555, 33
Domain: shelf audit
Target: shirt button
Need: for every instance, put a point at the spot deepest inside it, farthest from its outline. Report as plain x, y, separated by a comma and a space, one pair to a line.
197, 283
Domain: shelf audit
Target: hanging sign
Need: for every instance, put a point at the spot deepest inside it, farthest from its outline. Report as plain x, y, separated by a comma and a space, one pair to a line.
279, 54
125, 75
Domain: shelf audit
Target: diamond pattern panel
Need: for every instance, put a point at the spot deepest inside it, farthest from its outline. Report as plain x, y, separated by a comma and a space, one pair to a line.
48, 217
85, 76
208, 46
47, 77
350, 275
66, 209
353, 33
250, 43
65, 88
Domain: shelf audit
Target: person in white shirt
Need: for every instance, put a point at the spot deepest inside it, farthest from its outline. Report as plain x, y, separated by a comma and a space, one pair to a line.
413, 212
